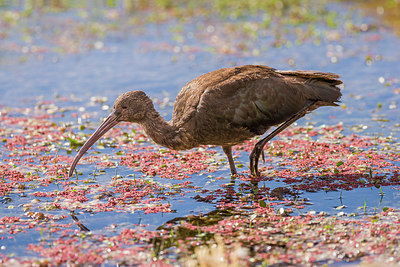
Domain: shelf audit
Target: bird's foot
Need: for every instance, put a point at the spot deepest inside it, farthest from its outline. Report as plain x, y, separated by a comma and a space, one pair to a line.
233, 171
233, 176
256, 173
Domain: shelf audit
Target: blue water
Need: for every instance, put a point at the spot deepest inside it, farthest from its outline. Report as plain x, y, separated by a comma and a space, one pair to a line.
138, 61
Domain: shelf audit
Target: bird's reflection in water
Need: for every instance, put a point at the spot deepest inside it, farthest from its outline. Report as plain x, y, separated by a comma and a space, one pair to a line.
78, 223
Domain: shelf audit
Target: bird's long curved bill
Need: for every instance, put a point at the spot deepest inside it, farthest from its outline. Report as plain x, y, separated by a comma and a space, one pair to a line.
109, 122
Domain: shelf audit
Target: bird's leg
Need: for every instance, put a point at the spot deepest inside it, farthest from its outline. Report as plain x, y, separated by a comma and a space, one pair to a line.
228, 152
254, 156
259, 146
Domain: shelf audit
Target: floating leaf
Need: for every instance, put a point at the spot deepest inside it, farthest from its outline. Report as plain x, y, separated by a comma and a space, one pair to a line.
339, 163
262, 203
74, 143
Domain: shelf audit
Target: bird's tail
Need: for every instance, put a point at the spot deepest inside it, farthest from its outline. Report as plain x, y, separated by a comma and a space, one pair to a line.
319, 86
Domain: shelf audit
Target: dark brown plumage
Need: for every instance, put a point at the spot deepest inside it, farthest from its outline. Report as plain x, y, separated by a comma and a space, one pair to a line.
226, 107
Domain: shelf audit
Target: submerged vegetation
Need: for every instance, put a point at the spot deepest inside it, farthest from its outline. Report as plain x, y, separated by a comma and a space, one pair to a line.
251, 221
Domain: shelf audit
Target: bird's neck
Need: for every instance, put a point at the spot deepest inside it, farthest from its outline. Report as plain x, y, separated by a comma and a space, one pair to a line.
165, 133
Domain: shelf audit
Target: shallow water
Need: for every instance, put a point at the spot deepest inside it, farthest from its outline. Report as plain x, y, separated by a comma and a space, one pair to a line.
148, 57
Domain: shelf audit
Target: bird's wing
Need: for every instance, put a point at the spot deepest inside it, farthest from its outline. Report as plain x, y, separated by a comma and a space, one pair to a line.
251, 97
220, 85
254, 102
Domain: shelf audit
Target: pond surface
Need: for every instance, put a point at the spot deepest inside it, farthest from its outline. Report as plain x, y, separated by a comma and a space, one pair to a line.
61, 71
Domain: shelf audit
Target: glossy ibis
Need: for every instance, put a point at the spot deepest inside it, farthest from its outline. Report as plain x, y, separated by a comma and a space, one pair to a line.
226, 107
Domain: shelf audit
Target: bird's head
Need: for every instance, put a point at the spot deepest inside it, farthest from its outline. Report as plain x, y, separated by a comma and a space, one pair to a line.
131, 106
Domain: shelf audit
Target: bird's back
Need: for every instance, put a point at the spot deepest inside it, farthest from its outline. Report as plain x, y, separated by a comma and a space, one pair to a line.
230, 105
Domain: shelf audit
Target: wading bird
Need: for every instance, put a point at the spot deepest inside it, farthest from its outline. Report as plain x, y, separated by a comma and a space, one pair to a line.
226, 107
